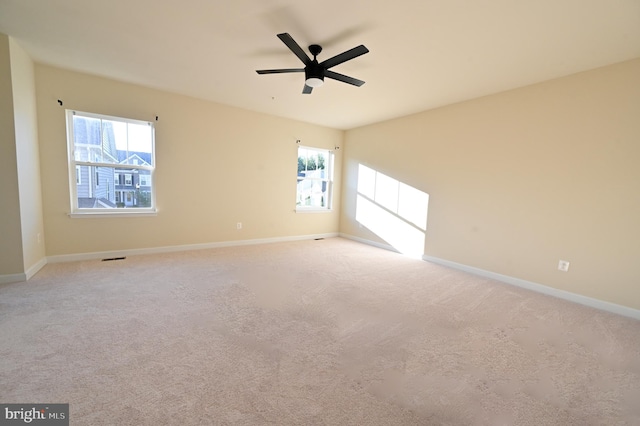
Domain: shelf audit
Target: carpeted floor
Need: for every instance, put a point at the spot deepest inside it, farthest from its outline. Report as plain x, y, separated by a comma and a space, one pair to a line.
328, 332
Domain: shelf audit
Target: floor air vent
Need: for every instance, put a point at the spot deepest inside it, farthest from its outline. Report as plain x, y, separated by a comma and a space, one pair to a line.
113, 258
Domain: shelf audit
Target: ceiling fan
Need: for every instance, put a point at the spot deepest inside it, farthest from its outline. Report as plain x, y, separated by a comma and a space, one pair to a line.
316, 72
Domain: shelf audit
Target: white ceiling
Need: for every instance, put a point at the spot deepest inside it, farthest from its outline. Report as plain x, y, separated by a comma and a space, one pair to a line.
423, 53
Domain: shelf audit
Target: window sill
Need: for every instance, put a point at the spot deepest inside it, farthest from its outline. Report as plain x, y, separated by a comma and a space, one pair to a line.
312, 210
103, 214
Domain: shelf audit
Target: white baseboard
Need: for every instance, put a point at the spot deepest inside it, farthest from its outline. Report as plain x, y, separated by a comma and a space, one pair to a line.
35, 268
12, 278
172, 249
24, 276
529, 285
369, 242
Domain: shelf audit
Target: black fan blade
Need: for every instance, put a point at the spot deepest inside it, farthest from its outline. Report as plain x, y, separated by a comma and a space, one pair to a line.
294, 47
343, 78
344, 56
280, 71
307, 89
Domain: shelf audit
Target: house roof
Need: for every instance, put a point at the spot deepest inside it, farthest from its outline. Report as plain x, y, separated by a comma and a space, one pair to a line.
144, 158
423, 53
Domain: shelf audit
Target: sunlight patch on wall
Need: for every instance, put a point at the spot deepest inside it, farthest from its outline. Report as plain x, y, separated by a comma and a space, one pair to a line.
393, 210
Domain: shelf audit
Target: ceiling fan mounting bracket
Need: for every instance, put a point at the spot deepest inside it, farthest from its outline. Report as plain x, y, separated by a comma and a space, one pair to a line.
315, 49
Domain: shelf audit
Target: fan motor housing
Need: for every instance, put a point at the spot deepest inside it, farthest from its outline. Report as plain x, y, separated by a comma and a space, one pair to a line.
314, 70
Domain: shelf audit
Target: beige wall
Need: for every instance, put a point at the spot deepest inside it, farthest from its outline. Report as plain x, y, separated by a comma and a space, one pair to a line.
216, 166
28, 162
521, 179
11, 260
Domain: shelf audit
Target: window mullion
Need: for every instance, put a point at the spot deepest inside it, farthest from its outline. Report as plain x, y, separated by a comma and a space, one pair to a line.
115, 165
102, 139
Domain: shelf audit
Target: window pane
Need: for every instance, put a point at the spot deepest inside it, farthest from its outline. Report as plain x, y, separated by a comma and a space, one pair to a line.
139, 144
88, 139
109, 150
303, 155
312, 193
321, 161
112, 141
110, 187
313, 188
94, 140
82, 178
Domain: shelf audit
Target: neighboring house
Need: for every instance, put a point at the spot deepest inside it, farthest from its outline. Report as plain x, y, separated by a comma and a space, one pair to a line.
133, 186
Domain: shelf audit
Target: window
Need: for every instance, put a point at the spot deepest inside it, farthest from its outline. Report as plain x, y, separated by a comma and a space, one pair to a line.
315, 179
105, 153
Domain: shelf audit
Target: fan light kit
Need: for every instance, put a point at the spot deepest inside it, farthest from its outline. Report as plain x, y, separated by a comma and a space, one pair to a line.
316, 72
314, 82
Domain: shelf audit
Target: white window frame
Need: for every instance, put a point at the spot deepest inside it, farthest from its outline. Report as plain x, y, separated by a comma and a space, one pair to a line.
329, 180
74, 164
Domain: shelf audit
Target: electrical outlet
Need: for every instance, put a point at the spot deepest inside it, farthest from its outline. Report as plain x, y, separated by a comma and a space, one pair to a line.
563, 266
239, 225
